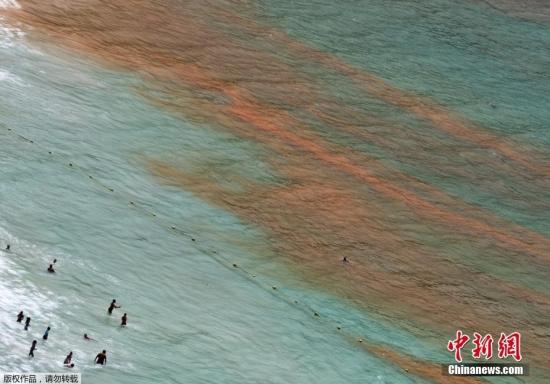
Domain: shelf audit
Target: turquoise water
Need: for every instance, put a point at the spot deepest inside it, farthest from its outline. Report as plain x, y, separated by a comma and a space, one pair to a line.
466, 55
192, 316
118, 233
482, 62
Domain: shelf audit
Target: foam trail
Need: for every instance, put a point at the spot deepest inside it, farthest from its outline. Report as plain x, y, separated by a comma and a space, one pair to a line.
9, 4
9, 77
18, 293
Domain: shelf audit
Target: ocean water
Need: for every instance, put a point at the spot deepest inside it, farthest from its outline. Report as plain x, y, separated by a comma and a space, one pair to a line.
193, 317
477, 60
212, 189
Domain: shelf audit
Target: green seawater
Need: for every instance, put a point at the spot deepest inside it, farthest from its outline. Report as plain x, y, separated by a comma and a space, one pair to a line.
193, 317
485, 64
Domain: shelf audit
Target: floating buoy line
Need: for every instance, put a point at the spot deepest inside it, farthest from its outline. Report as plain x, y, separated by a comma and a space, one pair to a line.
212, 253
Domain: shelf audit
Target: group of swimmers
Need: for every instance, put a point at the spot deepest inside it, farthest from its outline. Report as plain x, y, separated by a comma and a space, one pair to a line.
101, 357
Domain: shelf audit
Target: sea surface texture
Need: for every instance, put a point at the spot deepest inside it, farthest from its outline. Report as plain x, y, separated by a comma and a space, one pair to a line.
210, 163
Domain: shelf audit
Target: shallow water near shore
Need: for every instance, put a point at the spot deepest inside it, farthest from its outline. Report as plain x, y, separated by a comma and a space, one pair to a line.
213, 191
192, 318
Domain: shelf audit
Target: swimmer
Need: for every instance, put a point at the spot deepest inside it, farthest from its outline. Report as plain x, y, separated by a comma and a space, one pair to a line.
124, 320
345, 260
86, 337
69, 365
112, 306
33, 347
27, 323
8, 247
46, 334
50, 269
20, 317
68, 359
101, 358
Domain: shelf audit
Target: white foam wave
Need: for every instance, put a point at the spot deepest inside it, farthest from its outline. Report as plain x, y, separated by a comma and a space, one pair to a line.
9, 77
8, 34
17, 293
9, 4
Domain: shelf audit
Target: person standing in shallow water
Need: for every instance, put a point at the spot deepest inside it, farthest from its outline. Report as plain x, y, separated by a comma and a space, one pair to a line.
46, 334
27, 323
68, 359
20, 317
112, 306
33, 347
101, 358
124, 321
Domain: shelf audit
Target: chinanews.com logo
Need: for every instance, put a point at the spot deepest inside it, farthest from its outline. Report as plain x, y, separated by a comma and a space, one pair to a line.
508, 351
